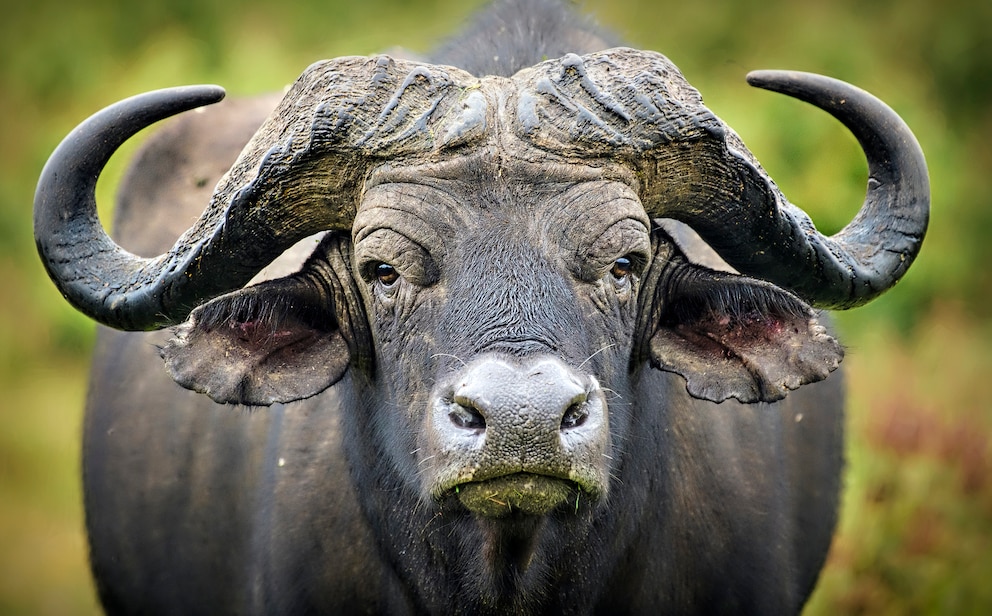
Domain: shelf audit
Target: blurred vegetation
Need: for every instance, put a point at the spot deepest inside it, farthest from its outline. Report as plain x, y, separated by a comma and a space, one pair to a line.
916, 528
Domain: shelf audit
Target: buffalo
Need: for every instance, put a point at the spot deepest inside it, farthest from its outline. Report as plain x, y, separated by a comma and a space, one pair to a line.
519, 328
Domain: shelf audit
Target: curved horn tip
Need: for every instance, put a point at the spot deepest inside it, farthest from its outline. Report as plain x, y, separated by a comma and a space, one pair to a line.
76, 251
767, 79
176, 99
808, 87
778, 79
834, 96
204, 94
895, 212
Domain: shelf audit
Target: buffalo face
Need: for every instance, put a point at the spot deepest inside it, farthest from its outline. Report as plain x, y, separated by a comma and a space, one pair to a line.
505, 310
506, 294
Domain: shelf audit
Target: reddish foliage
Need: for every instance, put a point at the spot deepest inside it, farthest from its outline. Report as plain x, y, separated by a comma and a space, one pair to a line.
907, 428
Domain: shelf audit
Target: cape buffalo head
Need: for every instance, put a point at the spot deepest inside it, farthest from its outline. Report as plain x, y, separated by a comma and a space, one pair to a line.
492, 273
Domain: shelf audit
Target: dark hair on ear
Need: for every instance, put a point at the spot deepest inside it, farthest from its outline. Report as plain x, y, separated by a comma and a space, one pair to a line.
268, 307
700, 293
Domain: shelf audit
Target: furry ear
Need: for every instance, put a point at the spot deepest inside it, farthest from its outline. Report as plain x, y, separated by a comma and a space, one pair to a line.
277, 341
731, 336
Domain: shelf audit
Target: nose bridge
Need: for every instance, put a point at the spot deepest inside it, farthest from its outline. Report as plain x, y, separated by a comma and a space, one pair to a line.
520, 302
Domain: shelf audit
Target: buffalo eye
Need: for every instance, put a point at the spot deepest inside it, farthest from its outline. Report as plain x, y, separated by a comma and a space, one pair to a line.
386, 274
622, 268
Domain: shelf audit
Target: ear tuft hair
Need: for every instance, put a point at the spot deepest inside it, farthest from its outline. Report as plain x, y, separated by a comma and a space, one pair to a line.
277, 341
731, 336
256, 314
721, 295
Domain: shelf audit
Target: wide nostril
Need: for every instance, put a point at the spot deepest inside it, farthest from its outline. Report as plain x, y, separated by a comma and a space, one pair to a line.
463, 413
576, 413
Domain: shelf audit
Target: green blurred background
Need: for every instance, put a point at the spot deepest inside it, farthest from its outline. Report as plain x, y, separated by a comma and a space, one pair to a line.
916, 527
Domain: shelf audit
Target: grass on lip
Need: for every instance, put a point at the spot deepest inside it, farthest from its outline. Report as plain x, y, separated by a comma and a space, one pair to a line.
520, 492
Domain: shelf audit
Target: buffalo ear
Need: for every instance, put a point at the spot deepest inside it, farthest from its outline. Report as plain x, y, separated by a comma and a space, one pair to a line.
277, 341
731, 336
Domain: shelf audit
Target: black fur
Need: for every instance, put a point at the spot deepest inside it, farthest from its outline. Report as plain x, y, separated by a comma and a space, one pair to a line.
511, 35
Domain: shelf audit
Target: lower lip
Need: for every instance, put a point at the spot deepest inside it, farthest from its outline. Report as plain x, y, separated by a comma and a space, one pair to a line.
524, 493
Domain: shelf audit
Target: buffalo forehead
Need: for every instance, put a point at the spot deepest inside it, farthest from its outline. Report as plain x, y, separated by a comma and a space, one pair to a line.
449, 191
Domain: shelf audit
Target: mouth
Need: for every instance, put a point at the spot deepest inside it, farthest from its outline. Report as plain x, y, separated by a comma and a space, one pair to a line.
518, 493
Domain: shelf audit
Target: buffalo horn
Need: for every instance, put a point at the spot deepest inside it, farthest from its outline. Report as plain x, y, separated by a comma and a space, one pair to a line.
770, 238
297, 176
236, 236
96, 275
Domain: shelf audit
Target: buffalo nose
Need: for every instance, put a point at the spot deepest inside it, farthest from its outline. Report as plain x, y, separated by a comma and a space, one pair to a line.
471, 407
502, 416
521, 402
